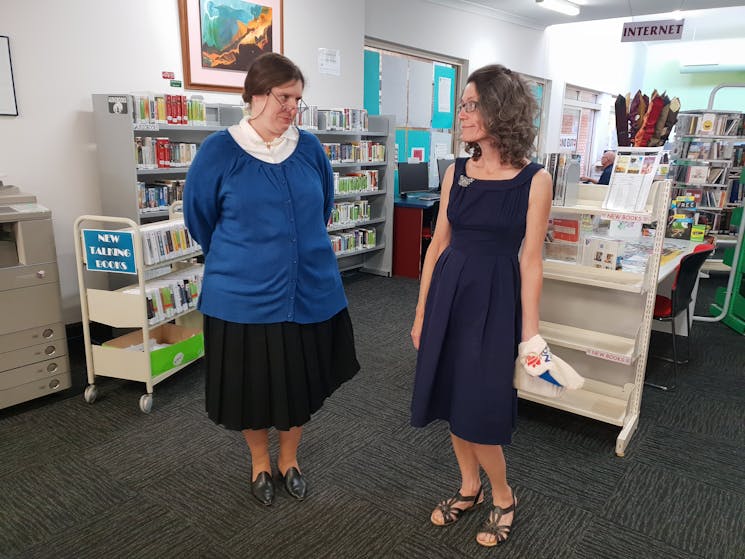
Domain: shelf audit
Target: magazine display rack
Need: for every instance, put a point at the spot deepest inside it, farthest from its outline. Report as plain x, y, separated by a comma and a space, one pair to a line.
156, 307
599, 320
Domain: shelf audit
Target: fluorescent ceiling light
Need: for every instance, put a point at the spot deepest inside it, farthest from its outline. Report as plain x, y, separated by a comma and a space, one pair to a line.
561, 6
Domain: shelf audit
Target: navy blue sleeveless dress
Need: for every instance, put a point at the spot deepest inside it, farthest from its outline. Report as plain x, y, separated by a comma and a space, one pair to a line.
473, 318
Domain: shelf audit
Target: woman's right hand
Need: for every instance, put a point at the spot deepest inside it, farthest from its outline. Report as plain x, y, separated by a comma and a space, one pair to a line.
416, 329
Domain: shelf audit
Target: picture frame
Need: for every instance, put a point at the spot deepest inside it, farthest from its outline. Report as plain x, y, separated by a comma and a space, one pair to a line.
8, 104
217, 49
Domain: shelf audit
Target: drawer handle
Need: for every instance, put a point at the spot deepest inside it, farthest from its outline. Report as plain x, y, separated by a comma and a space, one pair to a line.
48, 333
50, 350
41, 274
54, 384
52, 367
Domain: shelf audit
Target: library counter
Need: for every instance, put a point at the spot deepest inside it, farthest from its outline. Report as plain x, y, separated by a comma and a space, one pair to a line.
413, 223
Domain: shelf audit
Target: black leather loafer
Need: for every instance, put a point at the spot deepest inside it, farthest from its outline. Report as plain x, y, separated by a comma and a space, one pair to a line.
294, 482
263, 488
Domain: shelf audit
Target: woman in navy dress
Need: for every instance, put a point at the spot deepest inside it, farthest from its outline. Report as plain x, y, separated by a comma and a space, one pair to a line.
480, 290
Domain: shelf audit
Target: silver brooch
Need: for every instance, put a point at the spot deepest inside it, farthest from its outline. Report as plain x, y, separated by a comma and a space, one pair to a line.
465, 181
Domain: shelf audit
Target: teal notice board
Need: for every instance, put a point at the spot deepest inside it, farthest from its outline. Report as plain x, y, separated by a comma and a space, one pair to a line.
407, 139
371, 88
443, 111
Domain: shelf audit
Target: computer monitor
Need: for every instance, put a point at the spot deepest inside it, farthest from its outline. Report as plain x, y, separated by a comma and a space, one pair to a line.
442, 166
412, 177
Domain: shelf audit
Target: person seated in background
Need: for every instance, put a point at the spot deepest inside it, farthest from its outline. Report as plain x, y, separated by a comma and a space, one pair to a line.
607, 162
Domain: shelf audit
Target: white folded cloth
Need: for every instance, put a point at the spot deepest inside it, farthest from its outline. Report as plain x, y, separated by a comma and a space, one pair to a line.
535, 358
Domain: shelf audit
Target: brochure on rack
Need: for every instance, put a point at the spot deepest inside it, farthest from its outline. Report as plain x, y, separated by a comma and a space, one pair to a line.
631, 181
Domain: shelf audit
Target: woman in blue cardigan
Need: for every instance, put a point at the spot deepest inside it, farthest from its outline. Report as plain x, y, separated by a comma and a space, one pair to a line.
278, 337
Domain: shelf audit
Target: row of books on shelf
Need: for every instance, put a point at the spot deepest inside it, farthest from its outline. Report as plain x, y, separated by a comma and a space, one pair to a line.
171, 295
357, 239
363, 151
349, 212
712, 124
359, 181
699, 174
159, 195
706, 197
166, 240
699, 149
166, 108
162, 153
332, 119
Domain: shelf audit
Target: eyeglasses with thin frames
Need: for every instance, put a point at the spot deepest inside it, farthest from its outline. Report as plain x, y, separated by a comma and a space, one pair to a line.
301, 107
468, 106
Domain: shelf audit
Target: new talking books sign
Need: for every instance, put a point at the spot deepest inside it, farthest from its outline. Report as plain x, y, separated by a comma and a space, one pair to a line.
109, 251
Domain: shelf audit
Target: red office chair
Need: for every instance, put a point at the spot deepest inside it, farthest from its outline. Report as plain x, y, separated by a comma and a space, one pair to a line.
668, 309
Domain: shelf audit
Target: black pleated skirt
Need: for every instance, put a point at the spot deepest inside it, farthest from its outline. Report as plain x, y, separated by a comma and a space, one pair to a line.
275, 375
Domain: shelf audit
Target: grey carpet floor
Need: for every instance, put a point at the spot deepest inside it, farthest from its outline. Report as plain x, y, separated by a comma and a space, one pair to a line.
106, 481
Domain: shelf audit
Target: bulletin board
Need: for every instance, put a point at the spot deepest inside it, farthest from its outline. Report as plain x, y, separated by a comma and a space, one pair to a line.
443, 111
371, 91
393, 83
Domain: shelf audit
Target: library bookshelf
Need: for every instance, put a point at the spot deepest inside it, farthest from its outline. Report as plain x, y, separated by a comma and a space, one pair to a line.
710, 145
367, 243
159, 305
599, 321
123, 177
374, 254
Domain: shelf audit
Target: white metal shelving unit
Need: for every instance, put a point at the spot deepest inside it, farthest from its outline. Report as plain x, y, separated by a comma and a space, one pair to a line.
599, 321
118, 309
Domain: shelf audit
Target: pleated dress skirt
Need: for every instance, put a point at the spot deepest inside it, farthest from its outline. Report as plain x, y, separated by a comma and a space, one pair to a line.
275, 375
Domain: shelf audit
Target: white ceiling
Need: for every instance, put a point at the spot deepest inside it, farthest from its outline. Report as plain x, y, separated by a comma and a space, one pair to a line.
530, 14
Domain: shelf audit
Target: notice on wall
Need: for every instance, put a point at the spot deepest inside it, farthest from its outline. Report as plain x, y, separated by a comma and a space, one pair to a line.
662, 30
109, 251
443, 94
329, 62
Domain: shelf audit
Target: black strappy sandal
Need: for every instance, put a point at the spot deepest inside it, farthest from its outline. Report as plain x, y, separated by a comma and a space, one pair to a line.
491, 525
451, 513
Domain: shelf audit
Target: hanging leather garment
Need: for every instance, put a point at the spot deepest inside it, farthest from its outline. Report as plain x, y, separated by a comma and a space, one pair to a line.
672, 118
622, 122
650, 120
634, 114
659, 127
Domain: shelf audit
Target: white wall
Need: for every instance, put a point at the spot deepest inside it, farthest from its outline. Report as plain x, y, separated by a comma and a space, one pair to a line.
461, 34
65, 51
590, 55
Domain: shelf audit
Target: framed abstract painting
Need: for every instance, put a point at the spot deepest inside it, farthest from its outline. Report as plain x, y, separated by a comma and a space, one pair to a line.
220, 38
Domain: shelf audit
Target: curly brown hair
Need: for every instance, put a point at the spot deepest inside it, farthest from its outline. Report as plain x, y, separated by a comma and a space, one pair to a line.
508, 109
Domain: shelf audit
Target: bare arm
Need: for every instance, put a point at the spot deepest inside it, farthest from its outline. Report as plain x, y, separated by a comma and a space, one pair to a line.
531, 257
440, 241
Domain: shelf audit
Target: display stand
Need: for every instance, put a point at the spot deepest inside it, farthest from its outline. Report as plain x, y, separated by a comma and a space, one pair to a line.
599, 320
160, 257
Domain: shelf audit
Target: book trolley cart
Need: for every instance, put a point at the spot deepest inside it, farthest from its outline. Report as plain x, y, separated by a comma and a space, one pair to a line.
127, 308
599, 321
